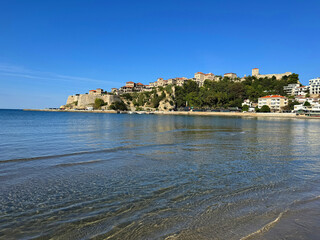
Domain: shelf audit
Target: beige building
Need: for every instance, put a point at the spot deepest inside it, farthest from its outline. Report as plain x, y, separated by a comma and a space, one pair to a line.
172, 81
181, 81
161, 82
130, 84
232, 76
274, 102
200, 77
255, 73
98, 91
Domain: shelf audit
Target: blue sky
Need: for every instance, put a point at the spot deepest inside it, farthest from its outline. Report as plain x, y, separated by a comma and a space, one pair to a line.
52, 49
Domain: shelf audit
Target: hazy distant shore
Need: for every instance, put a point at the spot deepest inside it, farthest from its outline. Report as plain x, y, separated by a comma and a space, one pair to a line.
230, 114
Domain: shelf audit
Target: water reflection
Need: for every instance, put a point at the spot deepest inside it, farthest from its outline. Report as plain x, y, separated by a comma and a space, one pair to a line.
149, 177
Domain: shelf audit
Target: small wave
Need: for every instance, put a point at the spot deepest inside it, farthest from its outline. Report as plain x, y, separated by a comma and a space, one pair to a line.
173, 236
82, 152
76, 163
304, 201
265, 228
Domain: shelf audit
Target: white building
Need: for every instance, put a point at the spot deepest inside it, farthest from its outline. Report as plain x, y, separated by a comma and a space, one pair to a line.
314, 86
311, 100
301, 91
247, 102
315, 108
290, 89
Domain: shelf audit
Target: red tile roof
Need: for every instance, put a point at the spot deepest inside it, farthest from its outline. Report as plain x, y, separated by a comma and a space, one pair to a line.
273, 96
140, 84
130, 82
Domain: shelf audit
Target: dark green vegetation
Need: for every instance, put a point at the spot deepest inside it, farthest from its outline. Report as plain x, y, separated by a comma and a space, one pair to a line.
118, 106
264, 108
245, 108
98, 103
150, 99
228, 93
306, 104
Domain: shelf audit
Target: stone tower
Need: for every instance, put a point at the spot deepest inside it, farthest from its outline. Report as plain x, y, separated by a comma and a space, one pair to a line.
255, 71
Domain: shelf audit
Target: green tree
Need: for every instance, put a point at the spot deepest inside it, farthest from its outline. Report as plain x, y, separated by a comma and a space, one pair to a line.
306, 104
98, 103
245, 108
293, 78
119, 105
291, 105
265, 108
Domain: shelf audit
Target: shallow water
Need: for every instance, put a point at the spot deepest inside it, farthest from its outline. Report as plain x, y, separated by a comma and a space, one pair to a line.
116, 176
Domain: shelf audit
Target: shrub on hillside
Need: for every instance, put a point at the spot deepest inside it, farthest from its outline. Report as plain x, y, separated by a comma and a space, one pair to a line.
118, 106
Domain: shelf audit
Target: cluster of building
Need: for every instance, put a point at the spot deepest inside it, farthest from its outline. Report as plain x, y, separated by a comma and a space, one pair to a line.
276, 103
297, 90
199, 78
301, 94
131, 87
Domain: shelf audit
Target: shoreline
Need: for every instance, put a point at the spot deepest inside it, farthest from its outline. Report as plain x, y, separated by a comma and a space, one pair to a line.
224, 114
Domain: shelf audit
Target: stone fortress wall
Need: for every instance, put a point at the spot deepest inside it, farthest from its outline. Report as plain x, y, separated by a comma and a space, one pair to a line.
85, 100
255, 73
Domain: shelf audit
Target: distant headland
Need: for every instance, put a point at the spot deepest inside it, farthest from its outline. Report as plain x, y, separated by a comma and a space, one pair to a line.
205, 92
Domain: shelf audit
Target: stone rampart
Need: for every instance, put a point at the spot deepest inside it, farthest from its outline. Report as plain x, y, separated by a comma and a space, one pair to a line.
86, 100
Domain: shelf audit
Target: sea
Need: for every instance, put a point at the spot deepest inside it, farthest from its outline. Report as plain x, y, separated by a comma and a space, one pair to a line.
76, 175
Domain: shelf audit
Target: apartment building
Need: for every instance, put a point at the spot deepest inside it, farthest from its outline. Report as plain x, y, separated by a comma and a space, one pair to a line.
290, 89
314, 86
274, 102
301, 91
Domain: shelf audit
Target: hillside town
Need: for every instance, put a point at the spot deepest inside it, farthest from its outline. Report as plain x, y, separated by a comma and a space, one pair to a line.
296, 97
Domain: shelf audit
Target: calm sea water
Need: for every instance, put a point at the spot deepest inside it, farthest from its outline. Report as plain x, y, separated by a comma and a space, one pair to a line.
116, 176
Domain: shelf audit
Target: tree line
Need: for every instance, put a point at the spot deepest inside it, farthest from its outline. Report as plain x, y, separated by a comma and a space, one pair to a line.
229, 93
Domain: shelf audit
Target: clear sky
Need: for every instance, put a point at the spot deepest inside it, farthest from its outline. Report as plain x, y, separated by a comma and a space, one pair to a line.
54, 48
